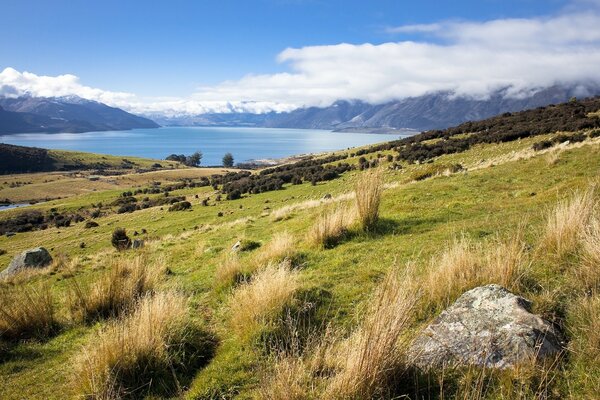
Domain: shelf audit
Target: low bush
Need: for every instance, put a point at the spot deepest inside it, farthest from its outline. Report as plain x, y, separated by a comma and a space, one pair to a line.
91, 224
181, 206
120, 240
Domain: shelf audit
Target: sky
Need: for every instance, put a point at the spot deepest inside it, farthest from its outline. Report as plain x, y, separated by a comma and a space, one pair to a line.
191, 57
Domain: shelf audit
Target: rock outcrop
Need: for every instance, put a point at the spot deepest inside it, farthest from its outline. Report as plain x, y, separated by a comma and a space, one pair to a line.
29, 259
487, 326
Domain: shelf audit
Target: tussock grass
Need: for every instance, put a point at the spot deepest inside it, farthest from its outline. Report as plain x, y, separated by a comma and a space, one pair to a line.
588, 272
465, 265
229, 270
137, 353
27, 312
565, 223
116, 290
374, 355
331, 225
281, 247
259, 302
368, 190
553, 155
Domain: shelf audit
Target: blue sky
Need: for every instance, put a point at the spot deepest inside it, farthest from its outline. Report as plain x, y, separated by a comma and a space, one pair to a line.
132, 45
179, 48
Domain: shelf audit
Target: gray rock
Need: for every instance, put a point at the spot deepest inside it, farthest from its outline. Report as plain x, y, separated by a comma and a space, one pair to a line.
487, 326
236, 247
137, 244
32, 258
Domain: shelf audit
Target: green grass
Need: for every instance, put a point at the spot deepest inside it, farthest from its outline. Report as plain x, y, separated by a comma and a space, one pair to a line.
417, 220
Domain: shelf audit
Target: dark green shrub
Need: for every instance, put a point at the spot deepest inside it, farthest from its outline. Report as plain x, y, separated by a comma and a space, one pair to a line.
120, 240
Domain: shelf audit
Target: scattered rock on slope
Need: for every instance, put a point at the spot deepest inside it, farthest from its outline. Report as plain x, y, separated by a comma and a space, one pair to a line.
487, 326
32, 258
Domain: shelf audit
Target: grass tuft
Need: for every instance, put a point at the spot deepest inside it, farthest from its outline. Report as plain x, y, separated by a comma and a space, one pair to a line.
281, 247
374, 355
331, 225
116, 290
566, 222
139, 353
27, 312
368, 190
259, 302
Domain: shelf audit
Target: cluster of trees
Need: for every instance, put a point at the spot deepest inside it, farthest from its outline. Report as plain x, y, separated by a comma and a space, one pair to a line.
192, 160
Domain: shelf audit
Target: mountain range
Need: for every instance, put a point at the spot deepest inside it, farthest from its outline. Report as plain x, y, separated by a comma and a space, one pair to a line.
64, 114
432, 111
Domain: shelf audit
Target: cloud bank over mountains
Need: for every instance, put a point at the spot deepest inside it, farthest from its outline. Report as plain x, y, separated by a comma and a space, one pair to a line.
466, 58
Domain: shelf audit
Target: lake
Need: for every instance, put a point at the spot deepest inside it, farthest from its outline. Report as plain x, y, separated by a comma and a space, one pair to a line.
244, 143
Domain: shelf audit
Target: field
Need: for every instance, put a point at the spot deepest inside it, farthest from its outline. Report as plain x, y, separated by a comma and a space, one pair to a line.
501, 191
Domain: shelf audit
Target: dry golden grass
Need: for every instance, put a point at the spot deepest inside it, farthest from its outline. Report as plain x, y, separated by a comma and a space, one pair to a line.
368, 190
134, 354
229, 270
374, 355
465, 265
290, 378
565, 223
27, 312
260, 301
588, 272
553, 155
116, 290
281, 247
586, 329
331, 225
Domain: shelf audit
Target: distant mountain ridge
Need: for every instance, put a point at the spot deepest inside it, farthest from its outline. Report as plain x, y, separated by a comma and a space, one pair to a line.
432, 111
64, 114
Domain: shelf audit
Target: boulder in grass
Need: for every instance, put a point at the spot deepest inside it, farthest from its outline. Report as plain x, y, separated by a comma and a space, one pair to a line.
487, 326
29, 259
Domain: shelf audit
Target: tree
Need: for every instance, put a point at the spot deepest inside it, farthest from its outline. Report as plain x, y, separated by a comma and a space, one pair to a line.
194, 159
228, 160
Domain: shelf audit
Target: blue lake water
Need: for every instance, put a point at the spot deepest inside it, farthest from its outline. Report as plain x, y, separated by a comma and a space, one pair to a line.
244, 143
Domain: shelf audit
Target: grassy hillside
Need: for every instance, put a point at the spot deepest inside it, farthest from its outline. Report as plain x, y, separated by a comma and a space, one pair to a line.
288, 315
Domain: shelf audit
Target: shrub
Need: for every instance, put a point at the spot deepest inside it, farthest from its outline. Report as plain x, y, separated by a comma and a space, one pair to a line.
2, 252
27, 312
368, 191
248, 245
258, 303
181, 206
331, 225
143, 351
120, 240
91, 224
116, 290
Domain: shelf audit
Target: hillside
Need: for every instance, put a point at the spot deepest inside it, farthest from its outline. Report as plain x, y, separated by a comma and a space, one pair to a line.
318, 301
21, 159
64, 114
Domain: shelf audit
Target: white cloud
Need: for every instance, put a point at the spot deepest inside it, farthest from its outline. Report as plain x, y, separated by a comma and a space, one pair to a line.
467, 58
14, 83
